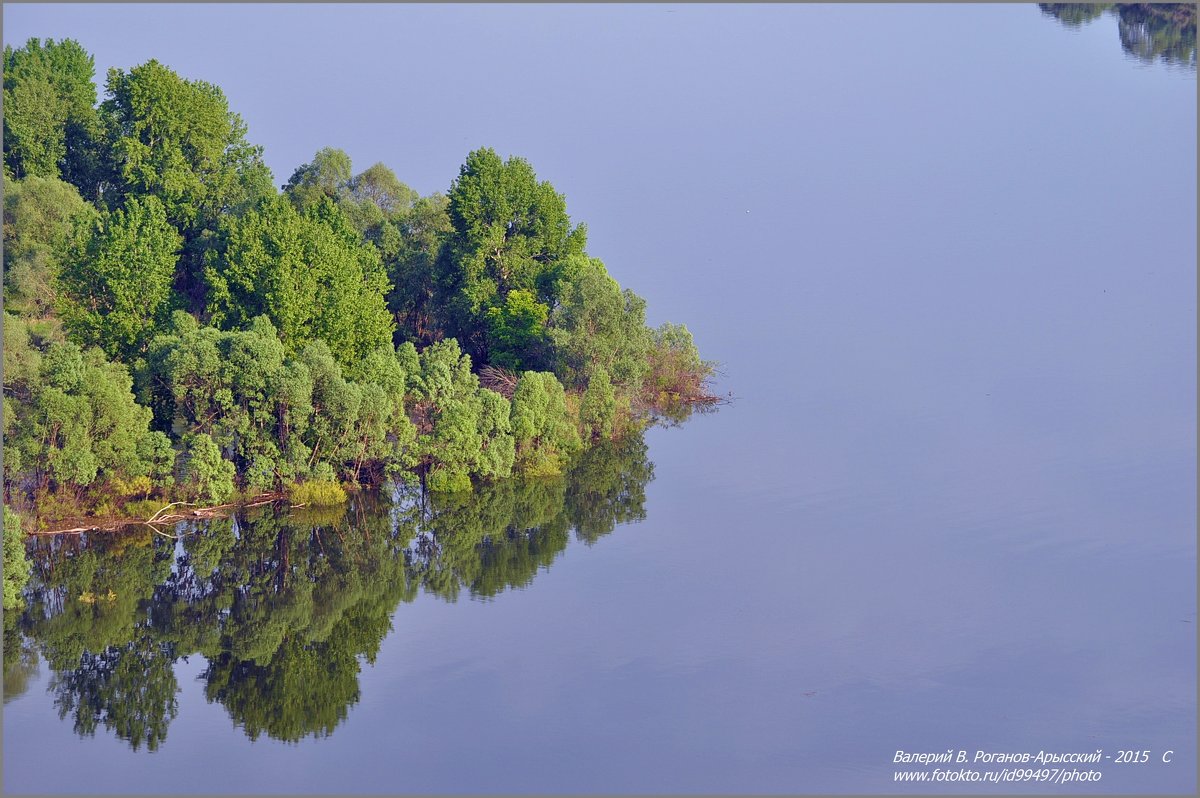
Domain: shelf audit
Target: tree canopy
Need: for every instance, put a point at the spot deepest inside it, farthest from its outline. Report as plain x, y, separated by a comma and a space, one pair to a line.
181, 329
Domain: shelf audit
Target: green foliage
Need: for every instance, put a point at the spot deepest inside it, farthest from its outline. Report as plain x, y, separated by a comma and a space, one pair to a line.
39, 216
464, 429
509, 232
336, 405
374, 201
448, 480
516, 330
317, 493
176, 139
543, 432
325, 177
308, 273
677, 374
116, 279
413, 299
282, 420
16, 564
204, 471
598, 324
71, 417
49, 113
598, 410
260, 326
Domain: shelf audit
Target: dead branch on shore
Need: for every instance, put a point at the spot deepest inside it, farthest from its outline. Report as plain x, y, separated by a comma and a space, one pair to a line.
159, 518
502, 381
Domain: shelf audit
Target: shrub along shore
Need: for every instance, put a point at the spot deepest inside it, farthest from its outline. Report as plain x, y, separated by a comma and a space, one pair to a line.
177, 329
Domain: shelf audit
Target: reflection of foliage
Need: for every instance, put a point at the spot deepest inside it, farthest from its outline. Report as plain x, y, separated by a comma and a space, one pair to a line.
502, 534
608, 487
20, 659
95, 592
1159, 32
1149, 31
292, 604
285, 605
305, 688
130, 689
16, 562
495, 538
1074, 15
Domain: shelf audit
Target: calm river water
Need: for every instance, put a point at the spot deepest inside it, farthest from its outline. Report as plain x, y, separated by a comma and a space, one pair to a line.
947, 259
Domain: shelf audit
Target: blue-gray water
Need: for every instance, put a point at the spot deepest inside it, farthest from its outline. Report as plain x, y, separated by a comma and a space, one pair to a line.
947, 258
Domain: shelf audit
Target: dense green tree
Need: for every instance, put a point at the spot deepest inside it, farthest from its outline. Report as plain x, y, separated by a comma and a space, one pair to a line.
262, 327
544, 434
281, 420
336, 405
463, 428
598, 324
517, 331
374, 201
423, 230
116, 279
176, 139
676, 372
202, 467
22, 378
379, 186
326, 177
309, 273
50, 122
75, 420
40, 214
598, 409
16, 564
509, 232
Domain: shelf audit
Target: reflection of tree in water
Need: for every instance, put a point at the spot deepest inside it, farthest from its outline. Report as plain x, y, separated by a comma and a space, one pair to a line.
20, 659
1148, 31
609, 488
130, 689
286, 605
307, 687
1151, 33
499, 537
1074, 15
88, 614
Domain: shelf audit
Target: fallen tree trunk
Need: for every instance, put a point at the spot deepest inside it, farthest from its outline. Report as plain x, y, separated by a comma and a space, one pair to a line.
165, 519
